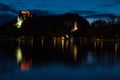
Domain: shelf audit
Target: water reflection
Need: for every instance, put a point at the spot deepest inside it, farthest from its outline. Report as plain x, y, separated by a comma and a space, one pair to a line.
95, 44
25, 65
75, 52
62, 42
83, 56
90, 58
22, 61
101, 45
19, 55
54, 41
66, 43
29, 41
42, 42
116, 47
60, 48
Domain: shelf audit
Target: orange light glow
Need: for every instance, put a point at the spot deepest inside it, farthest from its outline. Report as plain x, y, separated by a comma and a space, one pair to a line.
25, 65
27, 13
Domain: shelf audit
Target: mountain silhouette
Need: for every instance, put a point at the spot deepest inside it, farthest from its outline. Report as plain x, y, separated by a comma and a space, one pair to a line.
49, 26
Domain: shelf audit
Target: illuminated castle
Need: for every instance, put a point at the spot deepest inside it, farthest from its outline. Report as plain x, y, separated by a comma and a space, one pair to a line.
23, 15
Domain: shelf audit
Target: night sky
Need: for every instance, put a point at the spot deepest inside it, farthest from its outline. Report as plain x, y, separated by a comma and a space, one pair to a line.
90, 9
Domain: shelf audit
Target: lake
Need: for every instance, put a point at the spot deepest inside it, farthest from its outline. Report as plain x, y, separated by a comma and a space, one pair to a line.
59, 59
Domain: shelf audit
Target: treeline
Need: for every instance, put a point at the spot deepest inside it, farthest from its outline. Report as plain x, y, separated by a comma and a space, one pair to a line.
109, 28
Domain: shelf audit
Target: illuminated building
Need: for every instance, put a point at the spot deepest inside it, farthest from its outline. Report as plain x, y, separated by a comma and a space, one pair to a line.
19, 22
23, 15
75, 27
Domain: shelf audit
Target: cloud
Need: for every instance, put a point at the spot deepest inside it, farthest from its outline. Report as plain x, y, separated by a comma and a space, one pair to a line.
84, 12
40, 12
117, 1
6, 8
114, 3
7, 13
93, 14
107, 5
105, 15
41, 5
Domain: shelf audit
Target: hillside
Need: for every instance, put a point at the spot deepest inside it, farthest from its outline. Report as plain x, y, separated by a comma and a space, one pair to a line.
51, 25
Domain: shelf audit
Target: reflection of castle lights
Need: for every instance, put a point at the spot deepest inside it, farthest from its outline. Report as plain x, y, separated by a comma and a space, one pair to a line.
63, 41
62, 38
101, 45
25, 65
66, 35
54, 41
19, 55
75, 52
81, 42
42, 42
116, 48
95, 44
67, 43
19, 22
90, 58
31, 41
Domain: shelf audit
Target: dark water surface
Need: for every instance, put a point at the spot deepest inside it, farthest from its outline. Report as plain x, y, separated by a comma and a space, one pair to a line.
60, 59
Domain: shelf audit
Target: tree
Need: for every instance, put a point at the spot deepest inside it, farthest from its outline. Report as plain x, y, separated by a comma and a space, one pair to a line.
112, 19
98, 23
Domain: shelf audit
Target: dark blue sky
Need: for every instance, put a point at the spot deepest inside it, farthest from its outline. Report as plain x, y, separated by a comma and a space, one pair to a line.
90, 9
